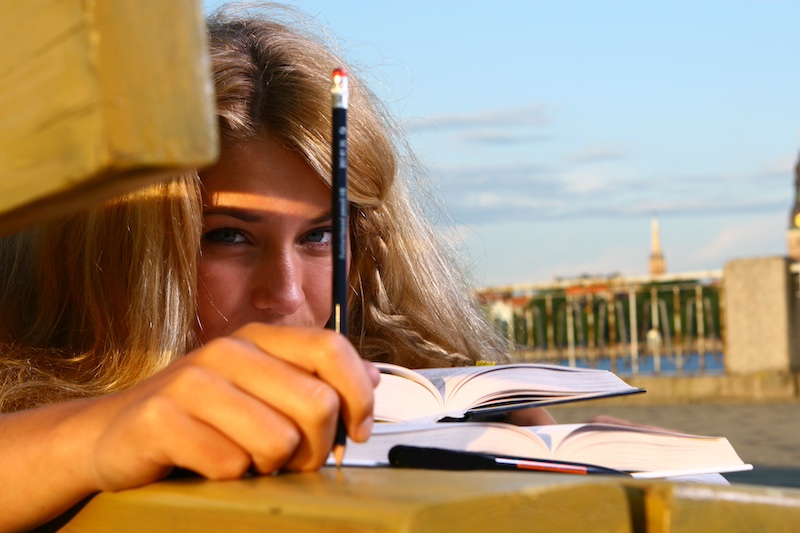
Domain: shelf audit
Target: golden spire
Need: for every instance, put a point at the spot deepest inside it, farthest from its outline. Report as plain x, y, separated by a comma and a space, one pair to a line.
657, 265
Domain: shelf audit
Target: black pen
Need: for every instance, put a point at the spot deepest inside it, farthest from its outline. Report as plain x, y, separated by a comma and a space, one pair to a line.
340, 207
402, 456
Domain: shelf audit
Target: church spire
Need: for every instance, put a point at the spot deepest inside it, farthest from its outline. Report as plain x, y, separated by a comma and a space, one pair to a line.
657, 265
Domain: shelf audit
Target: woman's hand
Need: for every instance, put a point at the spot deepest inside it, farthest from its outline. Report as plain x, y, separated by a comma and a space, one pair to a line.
266, 396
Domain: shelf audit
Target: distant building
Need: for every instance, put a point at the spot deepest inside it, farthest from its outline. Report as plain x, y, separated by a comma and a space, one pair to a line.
657, 264
793, 233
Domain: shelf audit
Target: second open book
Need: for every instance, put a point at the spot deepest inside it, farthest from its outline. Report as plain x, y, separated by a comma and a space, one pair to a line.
645, 452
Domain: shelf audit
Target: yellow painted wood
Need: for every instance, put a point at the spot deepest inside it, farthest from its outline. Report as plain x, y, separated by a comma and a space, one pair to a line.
96, 98
695, 508
366, 500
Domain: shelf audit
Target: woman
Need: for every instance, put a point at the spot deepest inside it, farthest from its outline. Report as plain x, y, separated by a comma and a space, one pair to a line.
126, 351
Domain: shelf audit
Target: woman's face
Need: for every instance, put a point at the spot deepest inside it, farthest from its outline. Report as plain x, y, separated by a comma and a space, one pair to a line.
266, 246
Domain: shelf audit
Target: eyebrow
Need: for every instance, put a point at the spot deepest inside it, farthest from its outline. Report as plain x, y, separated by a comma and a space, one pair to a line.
241, 214
253, 217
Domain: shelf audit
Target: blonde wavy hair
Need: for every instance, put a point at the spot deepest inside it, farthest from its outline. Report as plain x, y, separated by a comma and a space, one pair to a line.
98, 301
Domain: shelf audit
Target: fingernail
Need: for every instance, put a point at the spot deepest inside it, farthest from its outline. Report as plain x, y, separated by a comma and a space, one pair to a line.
365, 429
373, 372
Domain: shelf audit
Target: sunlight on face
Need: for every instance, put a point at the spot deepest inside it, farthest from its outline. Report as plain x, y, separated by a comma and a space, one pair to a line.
266, 247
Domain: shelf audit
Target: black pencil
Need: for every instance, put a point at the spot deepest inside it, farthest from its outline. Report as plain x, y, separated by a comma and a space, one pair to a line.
340, 208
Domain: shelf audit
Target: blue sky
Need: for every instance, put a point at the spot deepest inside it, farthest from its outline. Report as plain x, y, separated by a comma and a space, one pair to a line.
554, 130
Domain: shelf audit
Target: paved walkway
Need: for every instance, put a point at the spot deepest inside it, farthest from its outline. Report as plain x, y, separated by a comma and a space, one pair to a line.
766, 435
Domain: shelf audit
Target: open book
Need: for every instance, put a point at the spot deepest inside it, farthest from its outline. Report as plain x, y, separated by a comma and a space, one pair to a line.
473, 392
645, 452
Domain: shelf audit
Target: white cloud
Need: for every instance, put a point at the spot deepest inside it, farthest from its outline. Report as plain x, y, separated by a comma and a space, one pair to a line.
590, 180
500, 138
782, 167
750, 237
538, 115
597, 154
505, 201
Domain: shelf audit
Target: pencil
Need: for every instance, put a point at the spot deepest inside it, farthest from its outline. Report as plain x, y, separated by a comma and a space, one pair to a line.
340, 208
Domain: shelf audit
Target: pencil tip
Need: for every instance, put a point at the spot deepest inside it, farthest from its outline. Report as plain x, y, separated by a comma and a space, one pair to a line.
338, 454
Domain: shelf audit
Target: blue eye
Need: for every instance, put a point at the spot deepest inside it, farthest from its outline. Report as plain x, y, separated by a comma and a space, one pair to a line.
321, 236
224, 236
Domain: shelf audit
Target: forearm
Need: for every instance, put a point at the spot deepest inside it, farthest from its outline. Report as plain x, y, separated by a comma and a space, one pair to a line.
44, 459
537, 416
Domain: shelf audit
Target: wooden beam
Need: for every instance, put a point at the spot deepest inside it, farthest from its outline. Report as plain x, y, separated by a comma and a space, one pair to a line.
98, 98
365, 500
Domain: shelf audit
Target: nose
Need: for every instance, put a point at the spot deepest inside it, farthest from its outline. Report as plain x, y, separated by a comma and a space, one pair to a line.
278, 288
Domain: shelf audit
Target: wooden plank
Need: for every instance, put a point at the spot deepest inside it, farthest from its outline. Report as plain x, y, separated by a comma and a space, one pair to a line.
97, 98
696, 508
366, 500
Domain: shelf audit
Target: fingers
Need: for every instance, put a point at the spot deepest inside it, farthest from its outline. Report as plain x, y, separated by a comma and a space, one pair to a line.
329, 356
151, 435
268, 436
267, 396
283, 415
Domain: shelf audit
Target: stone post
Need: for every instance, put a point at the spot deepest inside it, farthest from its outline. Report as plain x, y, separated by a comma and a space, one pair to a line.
761, 307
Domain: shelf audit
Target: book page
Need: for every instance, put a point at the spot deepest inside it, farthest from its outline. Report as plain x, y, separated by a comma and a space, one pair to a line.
482, 387
403, 395
638, 449
484, 437
554, 434
431, 382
